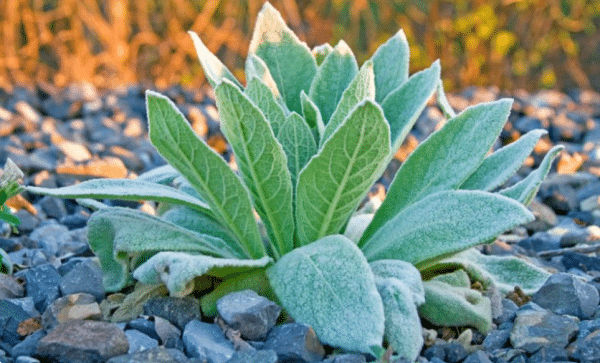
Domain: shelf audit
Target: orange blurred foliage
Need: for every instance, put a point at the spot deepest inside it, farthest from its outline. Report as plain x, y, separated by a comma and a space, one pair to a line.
526, 44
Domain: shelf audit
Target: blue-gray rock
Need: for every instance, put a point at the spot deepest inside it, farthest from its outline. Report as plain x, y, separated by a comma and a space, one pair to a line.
588, 349
249, 313
27, 304
540, 241
435, 351
436, 360
50, 237
71, 307
455, 352
207, 341
549, 354
586, 327
83, 341
152, 355
139, 341
53, 207
28, 221
29, 257
536, 329
86, 277
169, 335
346, 358
254, 356
478, 356
577, 298
496, 339
26, 359
143, 325
506, 355
178, 311
12, 313
509, 311
28, 346
74, 221
578, 260
295, 341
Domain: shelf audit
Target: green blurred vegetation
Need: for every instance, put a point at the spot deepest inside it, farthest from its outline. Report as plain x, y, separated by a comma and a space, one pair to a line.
528, 44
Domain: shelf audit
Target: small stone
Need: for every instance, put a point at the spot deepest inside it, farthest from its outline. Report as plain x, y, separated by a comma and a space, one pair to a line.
576, 297
42, 284
74, 221
295, 341
478, 356
74, 151
509, 311
540, 241
28, 346
85, 277
10, 288
435, 351
12, 314
168, 333
28, 221
107, 167
536, 329
254, 356
53, 207
588, 349
577, 260
27, 111
455, 352
152, 355
83, 341
549, 354
545, 218
207, 342
49, 237
143, 325
139, 341
496, 339
252, 315
26, 359
178, 311
72, 307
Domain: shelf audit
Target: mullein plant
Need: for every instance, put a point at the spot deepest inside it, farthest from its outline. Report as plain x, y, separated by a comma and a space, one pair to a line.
311, 132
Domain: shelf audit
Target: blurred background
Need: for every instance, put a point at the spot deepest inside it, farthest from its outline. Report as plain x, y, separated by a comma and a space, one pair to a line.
511, 44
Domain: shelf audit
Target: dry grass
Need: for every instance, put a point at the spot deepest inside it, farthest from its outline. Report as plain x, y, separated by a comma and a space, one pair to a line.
510, 43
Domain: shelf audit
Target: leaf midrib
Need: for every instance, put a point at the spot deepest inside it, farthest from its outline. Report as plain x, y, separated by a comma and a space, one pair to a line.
205, 187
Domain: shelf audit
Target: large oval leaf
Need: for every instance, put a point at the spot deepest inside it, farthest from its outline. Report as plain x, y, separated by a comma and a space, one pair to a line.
332, 78
329, 286
261, 161
445, 223
289, 60
444, 160
298, 143
390, 63
177, 270
206, 171
263, 98
335, 181
117, 234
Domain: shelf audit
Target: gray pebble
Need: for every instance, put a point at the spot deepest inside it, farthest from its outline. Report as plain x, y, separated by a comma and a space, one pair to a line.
577, 298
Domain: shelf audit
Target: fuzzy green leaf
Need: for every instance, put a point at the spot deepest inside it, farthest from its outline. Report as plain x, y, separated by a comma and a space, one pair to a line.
443, 101
504, 272
262, 163
206, 171
200, 222
312, 116
444, 160
262, 98
332, 78
289, 60
125, 189
320, 52
402, 323
403, 106
499, 166
256, 68
356, 226
8, 218
402, 271
361, 88
161, 175
335, 181
390, 63
449, 301
444, 223
177, 270
526, 189
6, 265
328, 285
117, 234
214, 70
298, 143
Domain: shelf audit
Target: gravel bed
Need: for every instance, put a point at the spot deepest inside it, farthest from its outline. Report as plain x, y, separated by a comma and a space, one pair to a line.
54, 308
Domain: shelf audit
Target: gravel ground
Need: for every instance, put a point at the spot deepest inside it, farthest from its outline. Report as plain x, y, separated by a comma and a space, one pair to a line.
52, 307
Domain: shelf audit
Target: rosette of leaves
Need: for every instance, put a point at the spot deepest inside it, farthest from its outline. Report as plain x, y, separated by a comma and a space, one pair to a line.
311, 132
